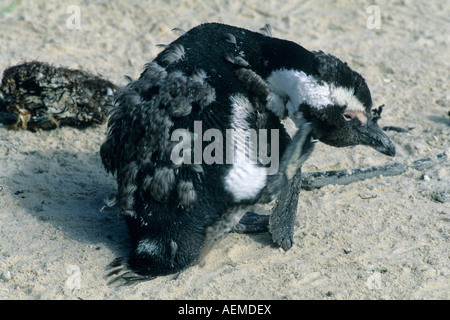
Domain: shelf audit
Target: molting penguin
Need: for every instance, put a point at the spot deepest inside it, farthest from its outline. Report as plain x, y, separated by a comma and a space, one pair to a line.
222, 77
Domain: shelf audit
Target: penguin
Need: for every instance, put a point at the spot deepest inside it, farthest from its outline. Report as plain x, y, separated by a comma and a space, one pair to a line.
215, 80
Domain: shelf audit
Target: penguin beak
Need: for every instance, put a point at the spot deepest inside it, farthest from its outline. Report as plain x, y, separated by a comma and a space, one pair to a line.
372, 136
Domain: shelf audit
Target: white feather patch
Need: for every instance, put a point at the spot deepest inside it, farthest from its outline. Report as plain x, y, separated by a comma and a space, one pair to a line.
245, 179
300, 88
345, 97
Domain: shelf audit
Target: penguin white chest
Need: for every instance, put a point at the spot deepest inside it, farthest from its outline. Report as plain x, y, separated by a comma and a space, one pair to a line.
245, 178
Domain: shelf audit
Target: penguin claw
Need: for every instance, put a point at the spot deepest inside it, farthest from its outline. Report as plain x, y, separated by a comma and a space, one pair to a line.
127, 278
118, 266
117, 262
113, 272
130, 277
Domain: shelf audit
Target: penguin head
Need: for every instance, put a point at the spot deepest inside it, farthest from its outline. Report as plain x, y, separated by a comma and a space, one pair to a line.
346, 119
335, 96
341, 127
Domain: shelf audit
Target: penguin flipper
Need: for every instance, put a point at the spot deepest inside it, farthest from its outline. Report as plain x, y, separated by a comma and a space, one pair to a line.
281, 222
298, 150
288, 180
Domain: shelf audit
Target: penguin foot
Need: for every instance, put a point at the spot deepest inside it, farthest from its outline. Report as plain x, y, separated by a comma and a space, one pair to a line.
252, 222
120, 273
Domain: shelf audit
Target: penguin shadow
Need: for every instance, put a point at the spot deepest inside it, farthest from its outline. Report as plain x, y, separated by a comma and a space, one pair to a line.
440, 119
67, 191
262, 238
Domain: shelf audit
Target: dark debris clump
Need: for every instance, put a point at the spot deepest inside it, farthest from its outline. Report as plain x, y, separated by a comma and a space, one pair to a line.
36, 95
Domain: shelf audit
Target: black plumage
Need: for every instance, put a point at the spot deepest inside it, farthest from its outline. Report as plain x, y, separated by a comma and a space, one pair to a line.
226, 78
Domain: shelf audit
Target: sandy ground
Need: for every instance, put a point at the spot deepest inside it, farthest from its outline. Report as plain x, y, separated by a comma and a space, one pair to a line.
384, 238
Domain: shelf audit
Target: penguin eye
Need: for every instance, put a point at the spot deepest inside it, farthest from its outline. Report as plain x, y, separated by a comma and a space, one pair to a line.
352, 115
347, 117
